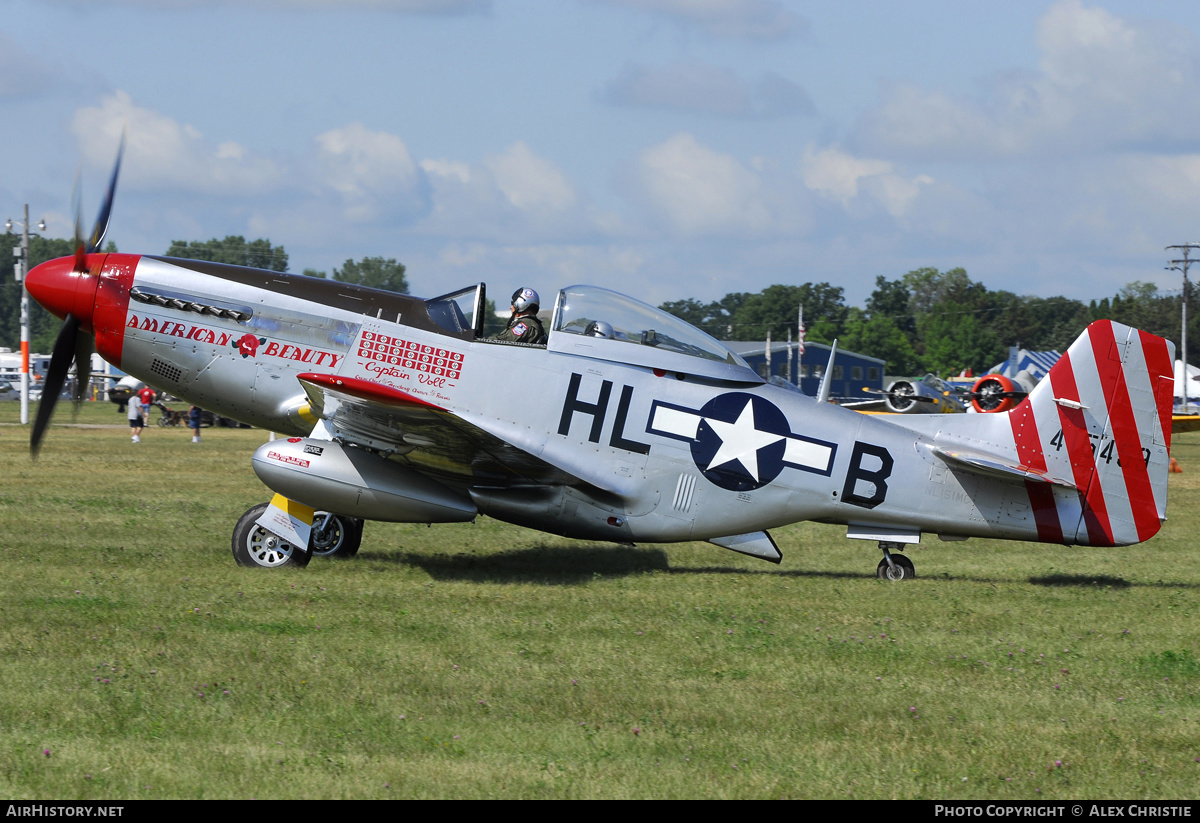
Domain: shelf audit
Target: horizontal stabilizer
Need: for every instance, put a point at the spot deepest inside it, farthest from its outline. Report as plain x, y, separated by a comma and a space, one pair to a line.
992, 466
755, 544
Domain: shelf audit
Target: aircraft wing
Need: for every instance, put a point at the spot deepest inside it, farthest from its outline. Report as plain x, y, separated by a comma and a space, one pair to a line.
432, 440
1185, 423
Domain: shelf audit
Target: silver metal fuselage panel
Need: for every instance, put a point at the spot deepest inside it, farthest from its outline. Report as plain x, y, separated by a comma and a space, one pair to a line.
655, 452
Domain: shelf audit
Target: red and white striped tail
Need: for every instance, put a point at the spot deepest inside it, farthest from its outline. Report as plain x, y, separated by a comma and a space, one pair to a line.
1101, 420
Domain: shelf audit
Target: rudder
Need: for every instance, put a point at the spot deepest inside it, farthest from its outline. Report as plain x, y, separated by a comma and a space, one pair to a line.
1102, 419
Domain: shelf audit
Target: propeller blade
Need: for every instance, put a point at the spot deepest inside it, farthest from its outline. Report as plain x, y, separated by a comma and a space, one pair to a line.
101, 227
83, 367
1014, 393
70, 345
77, 207
898, 395
56, 376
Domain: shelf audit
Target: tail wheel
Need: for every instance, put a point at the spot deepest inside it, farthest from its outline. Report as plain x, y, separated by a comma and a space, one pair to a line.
256, 547
335, 535
992, 393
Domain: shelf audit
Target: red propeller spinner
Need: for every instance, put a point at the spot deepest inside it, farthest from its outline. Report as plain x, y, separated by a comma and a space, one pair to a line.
61, 289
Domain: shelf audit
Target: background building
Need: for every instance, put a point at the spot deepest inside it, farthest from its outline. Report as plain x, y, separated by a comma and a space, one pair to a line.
851, 372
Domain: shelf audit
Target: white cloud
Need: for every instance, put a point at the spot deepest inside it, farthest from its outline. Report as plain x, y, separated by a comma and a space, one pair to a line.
163, 153
698, 87
460, 172
695, 190
1111, 203
842, 177
1173, 182
1090, 159
511, 196
529, 182
353, 176
373, 172
1101, 82
699, 190
836, 174
735, 19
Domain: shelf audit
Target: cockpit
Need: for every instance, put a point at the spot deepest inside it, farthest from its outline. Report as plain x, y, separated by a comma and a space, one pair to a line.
606, 325
589, 311
602, 324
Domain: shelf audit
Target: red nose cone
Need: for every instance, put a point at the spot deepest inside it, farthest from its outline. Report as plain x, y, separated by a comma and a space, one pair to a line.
61, 290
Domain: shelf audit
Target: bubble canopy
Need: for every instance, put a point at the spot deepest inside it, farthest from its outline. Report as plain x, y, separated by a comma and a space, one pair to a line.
607, 325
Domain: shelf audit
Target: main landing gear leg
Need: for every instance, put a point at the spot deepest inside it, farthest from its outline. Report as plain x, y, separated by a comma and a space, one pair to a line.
894, 566
335, 535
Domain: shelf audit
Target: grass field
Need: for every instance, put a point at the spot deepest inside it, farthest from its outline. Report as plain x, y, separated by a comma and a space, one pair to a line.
485, 660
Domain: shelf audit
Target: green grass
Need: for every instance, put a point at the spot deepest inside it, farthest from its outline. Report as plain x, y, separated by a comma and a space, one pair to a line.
490, 661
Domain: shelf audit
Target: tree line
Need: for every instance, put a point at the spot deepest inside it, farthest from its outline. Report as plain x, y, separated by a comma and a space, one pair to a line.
925, 320
934, 321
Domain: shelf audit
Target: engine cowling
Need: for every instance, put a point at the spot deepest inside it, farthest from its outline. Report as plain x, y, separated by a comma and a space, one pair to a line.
900, 398
992, 394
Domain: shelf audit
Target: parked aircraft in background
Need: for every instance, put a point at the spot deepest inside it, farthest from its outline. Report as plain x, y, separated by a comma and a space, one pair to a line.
933, 395
1007, 383
123, 389
929, 395
396, 408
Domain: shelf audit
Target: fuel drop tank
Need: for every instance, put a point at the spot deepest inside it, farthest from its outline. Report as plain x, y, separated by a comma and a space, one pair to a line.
344, 480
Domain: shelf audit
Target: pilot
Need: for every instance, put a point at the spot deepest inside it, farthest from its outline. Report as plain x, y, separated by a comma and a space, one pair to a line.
598, 328
524, 326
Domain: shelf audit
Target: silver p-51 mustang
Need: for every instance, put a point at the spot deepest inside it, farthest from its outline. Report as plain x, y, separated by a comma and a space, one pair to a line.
397, 409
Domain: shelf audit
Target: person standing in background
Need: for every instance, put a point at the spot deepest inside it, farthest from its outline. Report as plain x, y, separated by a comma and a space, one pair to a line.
147, 396
136, 421
195, 413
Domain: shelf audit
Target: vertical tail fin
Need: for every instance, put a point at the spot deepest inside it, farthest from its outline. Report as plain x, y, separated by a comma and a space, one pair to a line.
1101, 419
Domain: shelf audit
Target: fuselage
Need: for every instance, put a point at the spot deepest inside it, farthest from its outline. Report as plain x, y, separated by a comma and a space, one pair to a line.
647, 450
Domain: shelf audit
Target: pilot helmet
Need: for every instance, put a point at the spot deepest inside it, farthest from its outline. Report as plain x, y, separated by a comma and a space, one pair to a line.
526, 300
598, 328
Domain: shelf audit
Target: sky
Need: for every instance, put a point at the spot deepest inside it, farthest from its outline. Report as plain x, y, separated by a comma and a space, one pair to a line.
668, 149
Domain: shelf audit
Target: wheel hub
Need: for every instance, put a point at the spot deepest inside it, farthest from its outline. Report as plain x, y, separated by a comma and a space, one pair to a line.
268, 549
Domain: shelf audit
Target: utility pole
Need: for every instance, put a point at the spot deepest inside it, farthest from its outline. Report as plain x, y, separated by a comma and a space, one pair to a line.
1182, 266
20, 268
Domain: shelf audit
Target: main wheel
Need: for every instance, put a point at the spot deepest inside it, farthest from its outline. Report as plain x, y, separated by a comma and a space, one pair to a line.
162, 421
335, 535
904, 568
256, 547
